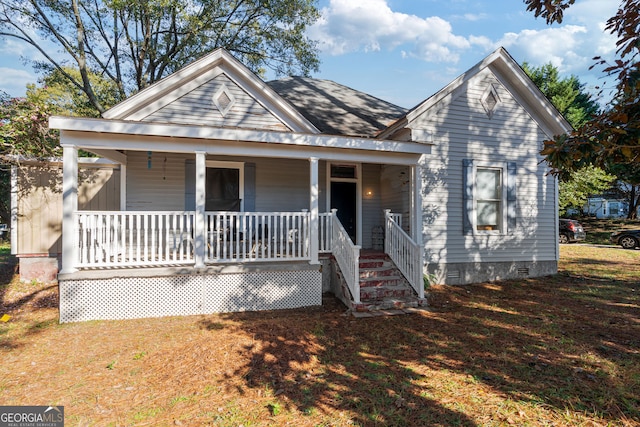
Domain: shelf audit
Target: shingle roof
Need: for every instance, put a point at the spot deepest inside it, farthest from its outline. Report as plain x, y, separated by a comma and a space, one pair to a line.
337, 109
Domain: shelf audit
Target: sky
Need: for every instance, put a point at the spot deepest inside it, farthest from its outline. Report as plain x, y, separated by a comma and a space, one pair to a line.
404, 51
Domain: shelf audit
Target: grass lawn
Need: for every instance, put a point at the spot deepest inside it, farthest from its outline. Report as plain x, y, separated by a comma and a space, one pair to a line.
554, 351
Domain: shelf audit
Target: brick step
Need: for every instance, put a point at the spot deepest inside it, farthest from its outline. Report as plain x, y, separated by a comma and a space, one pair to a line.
372, 294
378, 272
395, 280
375, 263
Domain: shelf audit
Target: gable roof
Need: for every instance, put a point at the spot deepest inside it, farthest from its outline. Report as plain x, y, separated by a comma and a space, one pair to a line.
512, 77
161, 94
337, 109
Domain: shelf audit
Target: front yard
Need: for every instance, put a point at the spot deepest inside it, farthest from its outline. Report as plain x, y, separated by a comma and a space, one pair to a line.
561, 351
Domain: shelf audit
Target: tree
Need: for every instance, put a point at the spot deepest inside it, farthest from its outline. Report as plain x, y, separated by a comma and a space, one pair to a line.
24, 132
577, 106
57, 92
574, 191
612, 137
133, 43
566, 94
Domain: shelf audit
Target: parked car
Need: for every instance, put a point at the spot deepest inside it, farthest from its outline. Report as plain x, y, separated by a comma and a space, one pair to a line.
628, 239
571, 231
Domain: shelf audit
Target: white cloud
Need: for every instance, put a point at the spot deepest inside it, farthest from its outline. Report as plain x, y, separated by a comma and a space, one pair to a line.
557, 45
370, 25
14, 80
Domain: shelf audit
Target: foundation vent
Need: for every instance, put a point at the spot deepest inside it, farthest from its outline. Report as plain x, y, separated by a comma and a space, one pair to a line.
523, 271
453, 274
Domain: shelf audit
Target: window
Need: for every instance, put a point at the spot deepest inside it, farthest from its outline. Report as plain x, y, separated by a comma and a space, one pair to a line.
489, 197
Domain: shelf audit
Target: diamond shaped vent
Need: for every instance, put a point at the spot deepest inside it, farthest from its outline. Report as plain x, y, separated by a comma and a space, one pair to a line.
223, 100
490, 100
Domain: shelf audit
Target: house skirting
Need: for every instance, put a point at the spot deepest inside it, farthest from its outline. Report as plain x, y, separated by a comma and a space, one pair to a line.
478, 272
181, 291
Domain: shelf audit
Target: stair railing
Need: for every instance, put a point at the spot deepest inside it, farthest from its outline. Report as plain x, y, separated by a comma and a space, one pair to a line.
405, 253
347, 255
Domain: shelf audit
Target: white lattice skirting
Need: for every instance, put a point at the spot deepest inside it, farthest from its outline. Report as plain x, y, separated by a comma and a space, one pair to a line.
187, 294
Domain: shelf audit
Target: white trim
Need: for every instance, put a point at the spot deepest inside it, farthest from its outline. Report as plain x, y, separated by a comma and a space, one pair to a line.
93, 127
235, 148
199, 223
69, 207
314, 219
232, 165
502, 167
199, 72
14, 210
123, 187
358, 181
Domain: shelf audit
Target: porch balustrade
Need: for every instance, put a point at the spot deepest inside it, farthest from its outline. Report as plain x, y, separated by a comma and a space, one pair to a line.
347, 256
405, 253
123, 239
107, 239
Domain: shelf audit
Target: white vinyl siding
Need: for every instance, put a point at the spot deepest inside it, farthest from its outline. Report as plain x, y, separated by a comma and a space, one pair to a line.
198, 108
464, 131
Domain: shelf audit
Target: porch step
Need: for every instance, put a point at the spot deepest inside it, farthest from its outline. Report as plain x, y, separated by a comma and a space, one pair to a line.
383, 289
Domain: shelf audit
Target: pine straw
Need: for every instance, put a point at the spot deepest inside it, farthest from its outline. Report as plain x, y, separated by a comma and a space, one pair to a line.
552, 351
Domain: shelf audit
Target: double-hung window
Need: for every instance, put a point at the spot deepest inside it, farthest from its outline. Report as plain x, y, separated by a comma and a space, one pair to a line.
488, 200
489, 197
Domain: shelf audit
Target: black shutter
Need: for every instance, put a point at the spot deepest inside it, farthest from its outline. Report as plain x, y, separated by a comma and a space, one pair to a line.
467, 196
511, 196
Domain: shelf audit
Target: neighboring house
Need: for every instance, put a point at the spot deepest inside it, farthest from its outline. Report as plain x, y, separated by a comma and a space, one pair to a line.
243, 195
602, 207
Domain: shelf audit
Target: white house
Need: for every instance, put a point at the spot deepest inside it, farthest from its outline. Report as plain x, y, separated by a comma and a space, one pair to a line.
236, 194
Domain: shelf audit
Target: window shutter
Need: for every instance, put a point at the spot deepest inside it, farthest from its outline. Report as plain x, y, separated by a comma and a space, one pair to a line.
190, 185
511, 196
467, 196
250, 187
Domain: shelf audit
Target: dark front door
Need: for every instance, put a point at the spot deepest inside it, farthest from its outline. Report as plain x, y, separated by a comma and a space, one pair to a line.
343, 198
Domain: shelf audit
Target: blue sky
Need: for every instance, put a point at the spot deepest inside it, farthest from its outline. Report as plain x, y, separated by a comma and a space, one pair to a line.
403, 51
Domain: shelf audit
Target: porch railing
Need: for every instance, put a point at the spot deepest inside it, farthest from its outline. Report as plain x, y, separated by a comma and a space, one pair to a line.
347, 255
134, 238
123, 239
257, 236
405, 253
324, 232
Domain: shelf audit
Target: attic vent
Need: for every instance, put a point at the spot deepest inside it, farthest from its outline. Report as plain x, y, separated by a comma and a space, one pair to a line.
223, 100
490, 100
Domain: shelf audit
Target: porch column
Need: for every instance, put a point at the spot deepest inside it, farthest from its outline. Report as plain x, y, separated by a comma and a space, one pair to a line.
416, 217
314, 224
123, 186
199, 224
69, 207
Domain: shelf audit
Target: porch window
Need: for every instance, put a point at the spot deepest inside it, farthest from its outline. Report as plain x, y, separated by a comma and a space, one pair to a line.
223, 190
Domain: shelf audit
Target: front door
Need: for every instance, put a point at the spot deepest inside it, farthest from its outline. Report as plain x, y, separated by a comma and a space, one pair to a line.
343, 198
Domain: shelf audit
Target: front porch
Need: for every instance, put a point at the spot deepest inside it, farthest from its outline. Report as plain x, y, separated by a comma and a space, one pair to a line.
143, 264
